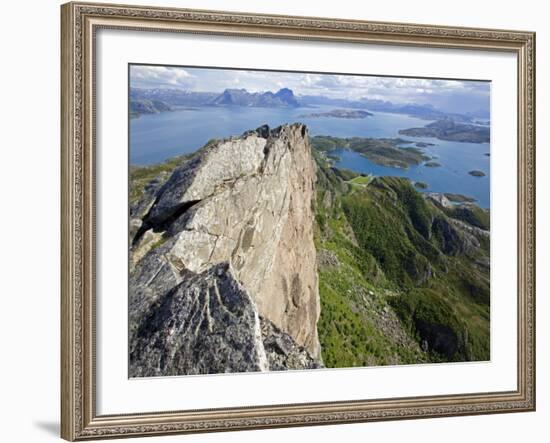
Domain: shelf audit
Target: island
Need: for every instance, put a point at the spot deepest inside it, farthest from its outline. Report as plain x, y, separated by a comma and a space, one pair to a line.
381, 151
338, 113
459, 198
449, 130
424, 144
476, 173
432, 165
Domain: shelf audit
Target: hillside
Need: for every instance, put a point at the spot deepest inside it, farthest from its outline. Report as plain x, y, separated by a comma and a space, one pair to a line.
402, 278
383, 273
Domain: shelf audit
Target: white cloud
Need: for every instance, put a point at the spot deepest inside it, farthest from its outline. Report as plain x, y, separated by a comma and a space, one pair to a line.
158, 76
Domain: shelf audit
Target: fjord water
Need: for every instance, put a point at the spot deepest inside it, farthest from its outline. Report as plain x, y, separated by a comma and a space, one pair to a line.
456, 160
157, 137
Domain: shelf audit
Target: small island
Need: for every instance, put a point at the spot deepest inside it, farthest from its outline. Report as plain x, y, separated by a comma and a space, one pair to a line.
432, 165
381, 151
424, 144
476, 173
338, 113
449, 130
459, 198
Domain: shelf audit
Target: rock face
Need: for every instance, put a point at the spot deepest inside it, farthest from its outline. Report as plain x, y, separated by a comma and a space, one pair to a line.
207, 324
225, 249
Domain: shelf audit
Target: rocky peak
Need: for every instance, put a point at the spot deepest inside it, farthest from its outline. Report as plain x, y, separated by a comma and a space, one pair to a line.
287, 96
236, 212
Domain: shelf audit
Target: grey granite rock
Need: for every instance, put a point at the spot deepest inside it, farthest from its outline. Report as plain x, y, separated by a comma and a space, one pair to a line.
207, 324
246, 202
282, 352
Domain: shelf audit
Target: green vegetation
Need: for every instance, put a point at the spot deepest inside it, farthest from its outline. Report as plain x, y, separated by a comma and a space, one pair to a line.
394, 235
402, 283
356, 326
421, 185
471, 214
362, 180
459, 198
432, 165
382, 151
140, 176
159, 242
346, 174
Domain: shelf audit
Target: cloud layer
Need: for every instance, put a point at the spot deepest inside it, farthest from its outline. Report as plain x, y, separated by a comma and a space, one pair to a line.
447, 95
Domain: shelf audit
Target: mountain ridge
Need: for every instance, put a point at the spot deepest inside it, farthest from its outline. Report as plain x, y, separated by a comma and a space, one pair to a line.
228, 217
285, 97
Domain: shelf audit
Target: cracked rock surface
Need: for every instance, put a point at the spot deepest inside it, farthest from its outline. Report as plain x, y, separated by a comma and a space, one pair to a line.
222, 265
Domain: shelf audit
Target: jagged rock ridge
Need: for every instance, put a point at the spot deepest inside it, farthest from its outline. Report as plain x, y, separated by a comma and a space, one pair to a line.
217, 282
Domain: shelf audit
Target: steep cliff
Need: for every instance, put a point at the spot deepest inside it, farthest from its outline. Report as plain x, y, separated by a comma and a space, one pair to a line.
223, 265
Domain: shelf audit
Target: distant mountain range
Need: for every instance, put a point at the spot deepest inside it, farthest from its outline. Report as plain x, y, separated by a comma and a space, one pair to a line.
424, 111
173, 96
230, 97
241, 97
285, 98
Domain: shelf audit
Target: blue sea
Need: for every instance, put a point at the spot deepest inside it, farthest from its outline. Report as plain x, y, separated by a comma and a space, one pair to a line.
157, 137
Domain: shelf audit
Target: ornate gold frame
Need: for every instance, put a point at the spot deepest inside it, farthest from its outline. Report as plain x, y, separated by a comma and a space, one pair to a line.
80, 21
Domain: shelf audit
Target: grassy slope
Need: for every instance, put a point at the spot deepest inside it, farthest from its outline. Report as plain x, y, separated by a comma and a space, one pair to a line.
389, 242
140, 176
354, 292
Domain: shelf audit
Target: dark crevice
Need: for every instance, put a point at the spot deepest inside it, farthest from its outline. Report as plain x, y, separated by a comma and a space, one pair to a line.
162, 226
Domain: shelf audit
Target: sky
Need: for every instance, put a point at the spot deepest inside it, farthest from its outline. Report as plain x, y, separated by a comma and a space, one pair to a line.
458, 96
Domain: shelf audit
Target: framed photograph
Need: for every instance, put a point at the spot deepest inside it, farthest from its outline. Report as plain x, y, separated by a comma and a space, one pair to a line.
282, 221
